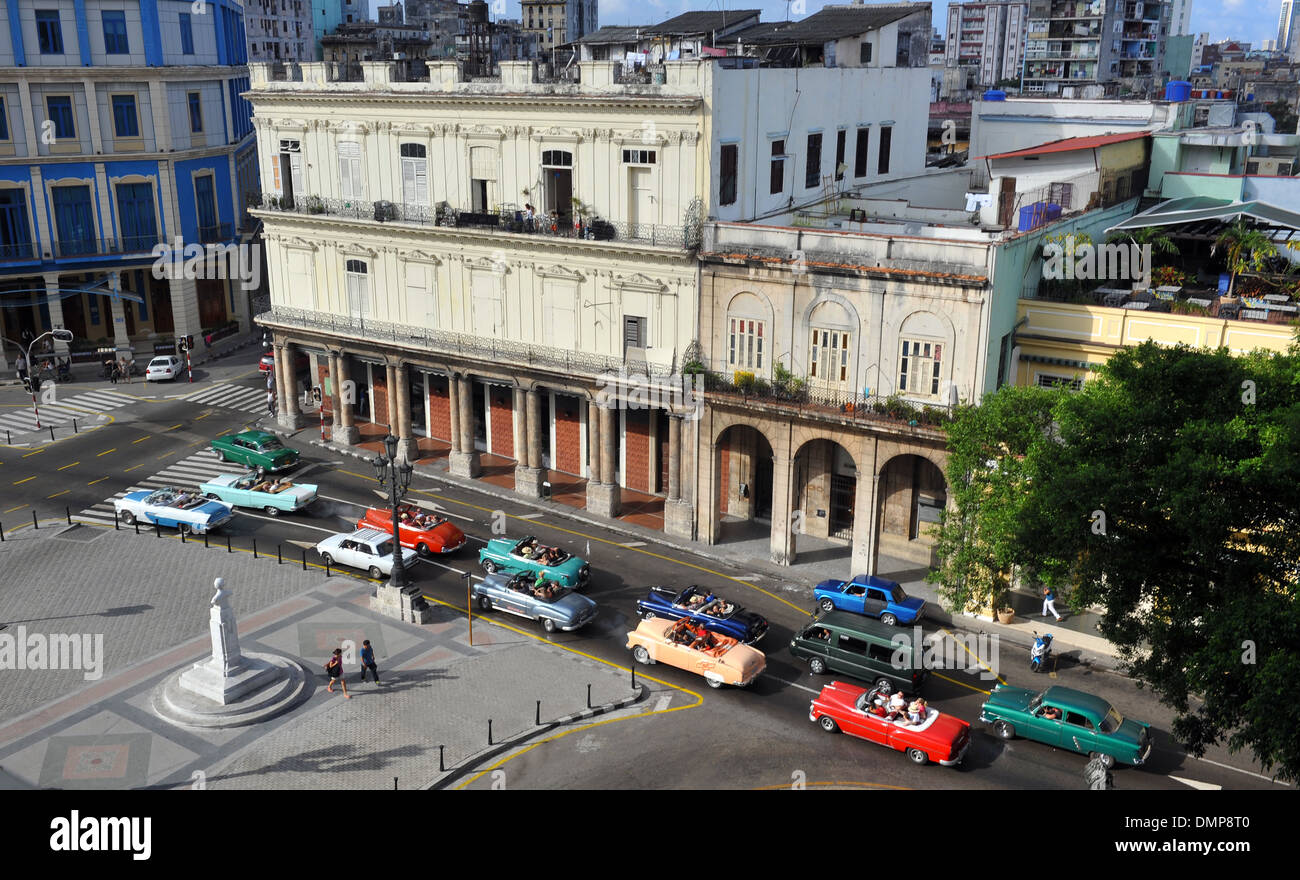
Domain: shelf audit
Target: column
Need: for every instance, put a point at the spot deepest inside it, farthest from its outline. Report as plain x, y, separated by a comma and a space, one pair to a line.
529, 475
518, 425
453, 407
121, 341
290, 414
56, 312
185, 313
679, 512
465, 462
603, 498
866, 547
346, 391
390, 391
783, 544
593, 443
408, 448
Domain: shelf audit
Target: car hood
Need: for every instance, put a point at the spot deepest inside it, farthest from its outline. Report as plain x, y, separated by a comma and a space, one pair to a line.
1130, 731
831, 585
1012, 698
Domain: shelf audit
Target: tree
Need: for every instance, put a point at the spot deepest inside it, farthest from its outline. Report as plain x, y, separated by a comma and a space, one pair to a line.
1244, 249
1168, 494
1284, 116
1156, 236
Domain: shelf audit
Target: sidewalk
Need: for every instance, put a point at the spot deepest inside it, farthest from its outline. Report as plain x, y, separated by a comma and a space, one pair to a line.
65, 731
91, 371
1077, 631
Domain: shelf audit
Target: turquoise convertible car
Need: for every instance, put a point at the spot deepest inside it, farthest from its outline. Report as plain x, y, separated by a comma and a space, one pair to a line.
255, 490
528, 556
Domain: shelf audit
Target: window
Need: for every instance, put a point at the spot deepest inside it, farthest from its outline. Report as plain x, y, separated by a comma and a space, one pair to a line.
634, 335
358, 289
840, 138
856, 646
639, 157
919, 370
415, 174
1078, 720
49, 34
74, 219
15, 232
205, 203
829, 358
777, 182
60, 110
114, 32
1045, 380
812, 176
727, 179
350, 169
864, 54
745, 344
860, 152
196, 112
187, 34
125, 122
136, 213
4, 121
557, 158
903, 58
886, 138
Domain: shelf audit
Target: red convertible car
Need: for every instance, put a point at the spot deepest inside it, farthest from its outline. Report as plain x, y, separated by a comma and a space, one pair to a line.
857, 711
419, 530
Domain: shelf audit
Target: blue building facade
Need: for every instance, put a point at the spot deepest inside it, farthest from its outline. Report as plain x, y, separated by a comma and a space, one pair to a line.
122, 128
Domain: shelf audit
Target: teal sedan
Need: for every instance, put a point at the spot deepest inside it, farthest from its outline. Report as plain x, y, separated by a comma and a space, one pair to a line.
1069, 719
254, 490
529, 557
256, 449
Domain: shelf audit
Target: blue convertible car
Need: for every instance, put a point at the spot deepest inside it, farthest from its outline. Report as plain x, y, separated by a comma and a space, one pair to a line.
552, 605
872, 596
702, 607
185, 511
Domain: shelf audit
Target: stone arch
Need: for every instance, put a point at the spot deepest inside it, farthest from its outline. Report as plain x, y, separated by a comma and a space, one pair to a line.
742, 465
825, 472
747, 306
912, 489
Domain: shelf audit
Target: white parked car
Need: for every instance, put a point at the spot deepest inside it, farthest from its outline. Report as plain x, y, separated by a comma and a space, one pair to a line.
368, 549
167, 366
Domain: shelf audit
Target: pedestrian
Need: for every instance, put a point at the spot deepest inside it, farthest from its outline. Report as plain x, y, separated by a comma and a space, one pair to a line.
270, 381
121, 369
334, 666
21, 365
115, 371
368, 661
270, 401
128, 366
1049, 603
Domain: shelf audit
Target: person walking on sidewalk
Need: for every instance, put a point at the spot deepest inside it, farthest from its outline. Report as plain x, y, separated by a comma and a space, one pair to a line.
270, 402
334, 666
1049, 603
21, 366
368, 661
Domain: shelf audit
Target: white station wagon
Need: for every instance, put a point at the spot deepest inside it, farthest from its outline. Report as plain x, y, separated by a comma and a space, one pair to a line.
368, 549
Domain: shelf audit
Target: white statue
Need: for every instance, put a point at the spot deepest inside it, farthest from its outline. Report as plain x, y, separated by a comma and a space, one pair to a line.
225, 634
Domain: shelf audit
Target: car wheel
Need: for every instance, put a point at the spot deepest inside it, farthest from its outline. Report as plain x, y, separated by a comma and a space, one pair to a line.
329, 560
647, 615
641, 655
375, 572
827, 605
423, 549
1003, 730
128, 517
886, 686
484, 603
548, 624
889, 620
489, 566
918, 756
222, 456
828, 724
184, 528
1107, 761
817, 666
714, 682
271, 511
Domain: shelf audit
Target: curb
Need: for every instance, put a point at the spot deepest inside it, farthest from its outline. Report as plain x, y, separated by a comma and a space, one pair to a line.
507, 745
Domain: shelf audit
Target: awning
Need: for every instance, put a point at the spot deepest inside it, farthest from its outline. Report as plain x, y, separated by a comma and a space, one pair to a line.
1197, 209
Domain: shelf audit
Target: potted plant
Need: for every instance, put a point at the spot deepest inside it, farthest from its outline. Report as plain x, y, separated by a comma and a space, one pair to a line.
1005, 613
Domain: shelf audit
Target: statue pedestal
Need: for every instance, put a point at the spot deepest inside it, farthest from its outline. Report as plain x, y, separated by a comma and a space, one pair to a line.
207, 679
408, 607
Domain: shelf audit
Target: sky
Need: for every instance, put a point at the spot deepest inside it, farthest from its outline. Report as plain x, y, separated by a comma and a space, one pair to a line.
1250, 20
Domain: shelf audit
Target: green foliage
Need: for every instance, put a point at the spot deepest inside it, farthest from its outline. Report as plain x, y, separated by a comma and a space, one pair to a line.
1244, 249
1193, 458
1156, 236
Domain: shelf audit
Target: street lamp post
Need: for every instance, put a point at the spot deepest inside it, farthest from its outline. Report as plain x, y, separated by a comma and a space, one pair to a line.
397, 477
32, 377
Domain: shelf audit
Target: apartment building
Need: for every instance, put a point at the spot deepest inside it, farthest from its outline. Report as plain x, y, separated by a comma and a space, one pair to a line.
122, 127
989, 37
1073, 43
280, 30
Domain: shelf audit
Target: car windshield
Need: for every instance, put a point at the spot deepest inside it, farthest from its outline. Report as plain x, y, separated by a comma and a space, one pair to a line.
159, 362
1112, 721
162, 496
272, 443
1035, 703
385, 548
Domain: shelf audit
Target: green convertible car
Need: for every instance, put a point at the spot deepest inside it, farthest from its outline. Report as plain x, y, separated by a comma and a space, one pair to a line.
257, 449
529, 557
1070, 719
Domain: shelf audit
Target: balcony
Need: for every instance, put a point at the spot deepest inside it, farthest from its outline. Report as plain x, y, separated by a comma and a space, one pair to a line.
506, 221
218, 234
466, 345
105, 247
19, 252
811, 400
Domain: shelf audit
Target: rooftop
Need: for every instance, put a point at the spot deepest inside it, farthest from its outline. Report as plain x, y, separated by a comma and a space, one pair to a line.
831, 23
1069, 145
702, 22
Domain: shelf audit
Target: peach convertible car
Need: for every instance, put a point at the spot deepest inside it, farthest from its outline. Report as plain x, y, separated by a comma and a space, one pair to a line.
720, 659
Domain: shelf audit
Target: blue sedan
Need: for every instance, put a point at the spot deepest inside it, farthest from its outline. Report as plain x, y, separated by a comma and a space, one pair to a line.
551, 604
702, 607
872, 596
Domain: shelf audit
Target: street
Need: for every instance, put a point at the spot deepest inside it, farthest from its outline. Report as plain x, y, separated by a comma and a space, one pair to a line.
683, 735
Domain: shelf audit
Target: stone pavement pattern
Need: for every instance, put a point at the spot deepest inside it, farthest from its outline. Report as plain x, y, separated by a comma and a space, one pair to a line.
104, 735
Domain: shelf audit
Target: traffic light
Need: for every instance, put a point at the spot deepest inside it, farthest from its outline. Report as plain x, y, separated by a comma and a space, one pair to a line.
185, 343
315, 393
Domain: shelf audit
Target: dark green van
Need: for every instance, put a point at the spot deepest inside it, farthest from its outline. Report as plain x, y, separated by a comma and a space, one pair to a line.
850, 644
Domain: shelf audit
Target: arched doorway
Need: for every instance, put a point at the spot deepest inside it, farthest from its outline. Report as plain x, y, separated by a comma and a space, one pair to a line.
912, 493
743, 461
825, 484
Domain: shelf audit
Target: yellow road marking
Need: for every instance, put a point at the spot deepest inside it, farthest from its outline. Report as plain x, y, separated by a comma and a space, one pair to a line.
173, 427
57, 494
142, 439
165, 454
34, 452
100, 480
66, 466
204, 416
106, 452
12, 509
20, 482
978, 659
131, 468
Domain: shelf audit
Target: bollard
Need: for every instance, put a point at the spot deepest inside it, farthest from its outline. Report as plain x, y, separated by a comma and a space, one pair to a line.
227, 543
633, 678
136, 523
115, 525
304, 559
68, 514
205, 540
182, 531
278, 560
394, 783
254, 548
588, 696
2, 533
35, 524
74, 427
539, 712
441, 767
328, 573
489, 731
10, 438
157, 529
51, 432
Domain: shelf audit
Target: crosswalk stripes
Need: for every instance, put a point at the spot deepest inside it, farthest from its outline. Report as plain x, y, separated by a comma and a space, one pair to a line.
64, 410
187, 473
240, 397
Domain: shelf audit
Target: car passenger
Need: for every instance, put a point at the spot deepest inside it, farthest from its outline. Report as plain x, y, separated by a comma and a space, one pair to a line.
897, 705
917, 711
1051, 713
